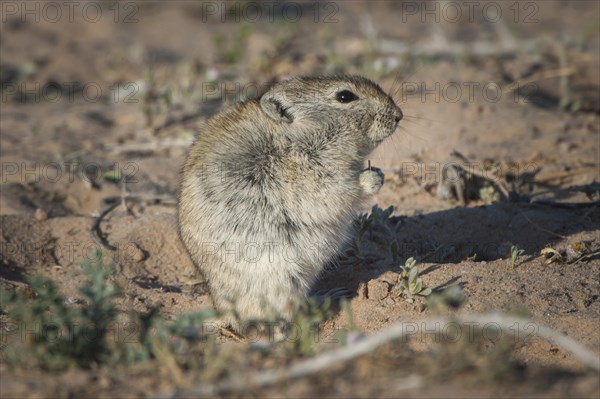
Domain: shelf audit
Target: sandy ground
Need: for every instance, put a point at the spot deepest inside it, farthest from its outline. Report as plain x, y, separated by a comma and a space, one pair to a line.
84, 98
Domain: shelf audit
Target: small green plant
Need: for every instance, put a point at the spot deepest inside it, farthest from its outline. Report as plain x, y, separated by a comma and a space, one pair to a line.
306, 325
378, 221
54, 332
489, 195
452, 297
409, 284
64, 335
515, 252
113, 176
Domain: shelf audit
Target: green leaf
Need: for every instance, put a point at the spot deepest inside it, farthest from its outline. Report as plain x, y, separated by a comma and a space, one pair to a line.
113, 175
399, 224
388, 229
388, 211
394, 250
412, 275
418, 286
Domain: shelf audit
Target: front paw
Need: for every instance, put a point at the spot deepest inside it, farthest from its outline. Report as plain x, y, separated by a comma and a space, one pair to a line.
371, 180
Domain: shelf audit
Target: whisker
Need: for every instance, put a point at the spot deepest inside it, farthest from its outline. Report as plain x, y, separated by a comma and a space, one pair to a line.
392, 87
413, 135
380, 157
415, 122
420, 117
396, 81
404, 81
394, 144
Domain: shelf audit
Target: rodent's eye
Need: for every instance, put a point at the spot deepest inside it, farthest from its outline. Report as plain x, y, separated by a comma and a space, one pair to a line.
346, 96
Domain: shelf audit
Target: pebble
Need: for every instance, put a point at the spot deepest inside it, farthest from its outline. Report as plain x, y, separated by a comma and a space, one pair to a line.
377, 289
41, 215
137, 253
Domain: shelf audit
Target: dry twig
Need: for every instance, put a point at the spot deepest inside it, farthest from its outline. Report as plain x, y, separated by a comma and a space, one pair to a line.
97, 235
369, 344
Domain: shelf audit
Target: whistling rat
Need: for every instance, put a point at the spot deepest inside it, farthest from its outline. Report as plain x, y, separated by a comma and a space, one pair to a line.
270, 186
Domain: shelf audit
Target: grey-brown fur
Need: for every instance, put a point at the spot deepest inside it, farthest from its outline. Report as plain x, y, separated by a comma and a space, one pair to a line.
270, 186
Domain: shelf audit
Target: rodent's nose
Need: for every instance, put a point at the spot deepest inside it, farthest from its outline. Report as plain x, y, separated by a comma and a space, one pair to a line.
398, 116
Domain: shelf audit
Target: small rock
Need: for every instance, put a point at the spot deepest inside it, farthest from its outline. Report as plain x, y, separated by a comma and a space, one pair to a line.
377, 289
566, 147
389, 301
41, 215
74, 301
72, 202
137, 254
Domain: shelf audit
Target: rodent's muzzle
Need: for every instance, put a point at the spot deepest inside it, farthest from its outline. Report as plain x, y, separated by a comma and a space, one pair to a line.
398, 117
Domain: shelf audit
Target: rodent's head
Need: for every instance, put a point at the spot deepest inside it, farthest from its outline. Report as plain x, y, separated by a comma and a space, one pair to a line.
353, 103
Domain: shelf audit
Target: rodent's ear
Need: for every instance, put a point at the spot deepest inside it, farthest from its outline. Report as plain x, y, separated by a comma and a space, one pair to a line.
274, 107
